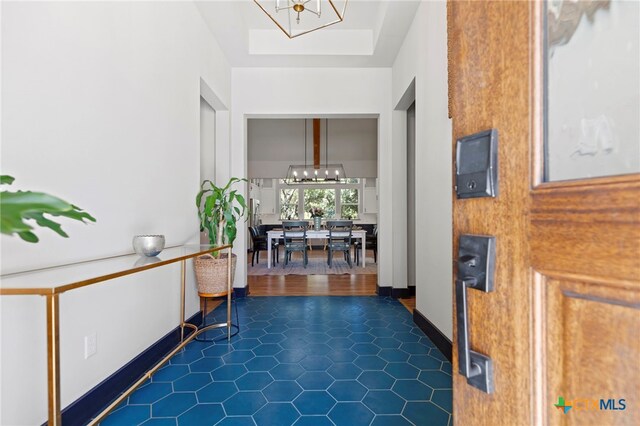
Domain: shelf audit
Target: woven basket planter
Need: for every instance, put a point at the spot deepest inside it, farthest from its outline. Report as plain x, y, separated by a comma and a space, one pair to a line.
211, 273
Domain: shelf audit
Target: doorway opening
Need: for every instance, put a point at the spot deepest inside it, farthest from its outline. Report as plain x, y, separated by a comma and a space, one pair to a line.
207, 147
411, 195
274, 144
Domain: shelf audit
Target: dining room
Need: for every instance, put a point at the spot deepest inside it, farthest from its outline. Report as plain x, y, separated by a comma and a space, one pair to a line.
318, 171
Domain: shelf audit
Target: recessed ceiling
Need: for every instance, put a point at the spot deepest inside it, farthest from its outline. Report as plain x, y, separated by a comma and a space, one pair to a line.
370, 35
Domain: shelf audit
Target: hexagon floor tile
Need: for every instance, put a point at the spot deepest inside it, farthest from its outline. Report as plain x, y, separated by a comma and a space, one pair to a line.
304, 361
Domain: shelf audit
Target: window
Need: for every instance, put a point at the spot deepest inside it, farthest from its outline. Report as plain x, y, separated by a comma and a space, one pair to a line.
351, 180
336, 200
289, 203
322, 198
349, 203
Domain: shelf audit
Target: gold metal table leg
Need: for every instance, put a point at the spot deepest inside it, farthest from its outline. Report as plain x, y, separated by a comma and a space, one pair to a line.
53, 358
183, 268
165, 359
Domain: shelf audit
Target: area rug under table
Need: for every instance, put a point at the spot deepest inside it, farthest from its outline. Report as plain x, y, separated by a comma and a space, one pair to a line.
317, 265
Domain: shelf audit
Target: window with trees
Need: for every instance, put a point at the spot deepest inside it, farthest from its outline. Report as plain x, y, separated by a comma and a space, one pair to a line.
336, 200
349, 203
322, 198
289, 203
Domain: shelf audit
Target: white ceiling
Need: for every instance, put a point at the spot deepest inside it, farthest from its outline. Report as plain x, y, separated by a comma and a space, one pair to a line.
370, 35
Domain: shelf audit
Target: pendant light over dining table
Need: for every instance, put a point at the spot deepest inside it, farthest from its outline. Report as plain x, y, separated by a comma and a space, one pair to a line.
316, 173
298, 17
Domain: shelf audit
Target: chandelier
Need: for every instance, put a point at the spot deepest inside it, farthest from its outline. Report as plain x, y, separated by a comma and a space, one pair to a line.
316, 172
308, 14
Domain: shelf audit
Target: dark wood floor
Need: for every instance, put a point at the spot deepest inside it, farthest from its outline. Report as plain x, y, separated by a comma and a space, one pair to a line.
315, 285
409, 303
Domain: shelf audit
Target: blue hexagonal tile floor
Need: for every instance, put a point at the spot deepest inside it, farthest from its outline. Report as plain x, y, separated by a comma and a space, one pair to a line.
303, 361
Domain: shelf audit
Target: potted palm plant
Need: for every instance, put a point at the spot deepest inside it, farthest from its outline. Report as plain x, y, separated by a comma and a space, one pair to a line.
219, 209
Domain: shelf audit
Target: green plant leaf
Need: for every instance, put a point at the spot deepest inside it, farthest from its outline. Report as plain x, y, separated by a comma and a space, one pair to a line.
228, 217
241, 201
32, 201
46, 223
20, 206
75, 213
28, 236
222, 206
213, 233
231, 231
6, 180
199, 198
208, 205
231, 182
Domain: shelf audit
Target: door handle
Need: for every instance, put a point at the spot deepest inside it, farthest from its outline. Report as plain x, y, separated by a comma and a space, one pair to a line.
476, 263
465, 366
476, 367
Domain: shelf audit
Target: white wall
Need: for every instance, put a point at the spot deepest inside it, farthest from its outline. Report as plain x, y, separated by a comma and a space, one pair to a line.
275, 144
265, 92
423, 56
101, 106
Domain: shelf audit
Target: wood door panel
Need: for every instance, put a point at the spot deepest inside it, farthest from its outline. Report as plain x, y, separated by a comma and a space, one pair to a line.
480, 88
589, 227
490, 90
592, 331
564, 314
556, 244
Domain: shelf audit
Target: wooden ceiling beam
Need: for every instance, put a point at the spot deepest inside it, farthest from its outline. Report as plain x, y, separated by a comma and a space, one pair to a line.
316, 143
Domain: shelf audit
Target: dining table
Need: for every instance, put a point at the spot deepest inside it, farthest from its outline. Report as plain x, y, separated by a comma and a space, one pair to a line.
276, 234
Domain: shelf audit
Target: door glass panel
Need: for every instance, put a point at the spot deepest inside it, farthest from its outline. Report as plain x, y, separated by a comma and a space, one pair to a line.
592, 85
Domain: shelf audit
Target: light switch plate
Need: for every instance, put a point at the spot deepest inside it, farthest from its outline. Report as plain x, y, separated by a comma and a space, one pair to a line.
90, 345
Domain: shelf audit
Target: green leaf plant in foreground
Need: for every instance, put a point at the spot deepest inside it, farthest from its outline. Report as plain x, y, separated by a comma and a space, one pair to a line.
219, 209
18, 207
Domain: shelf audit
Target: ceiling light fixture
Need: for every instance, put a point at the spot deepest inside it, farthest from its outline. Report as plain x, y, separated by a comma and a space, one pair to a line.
313, 174
285, 11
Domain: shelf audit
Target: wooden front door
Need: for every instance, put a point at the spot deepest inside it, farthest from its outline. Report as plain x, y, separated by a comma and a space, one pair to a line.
564, 318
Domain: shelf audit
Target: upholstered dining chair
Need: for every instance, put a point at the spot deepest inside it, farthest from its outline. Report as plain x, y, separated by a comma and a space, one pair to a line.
259, 243
371, 243
294, 234
339, 239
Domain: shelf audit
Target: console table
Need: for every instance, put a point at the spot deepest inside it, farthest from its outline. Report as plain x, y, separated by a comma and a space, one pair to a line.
51, 282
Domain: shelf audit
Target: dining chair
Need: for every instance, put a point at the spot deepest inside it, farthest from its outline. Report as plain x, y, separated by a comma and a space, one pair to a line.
259, 243
339, 239
371, 243
294, 234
